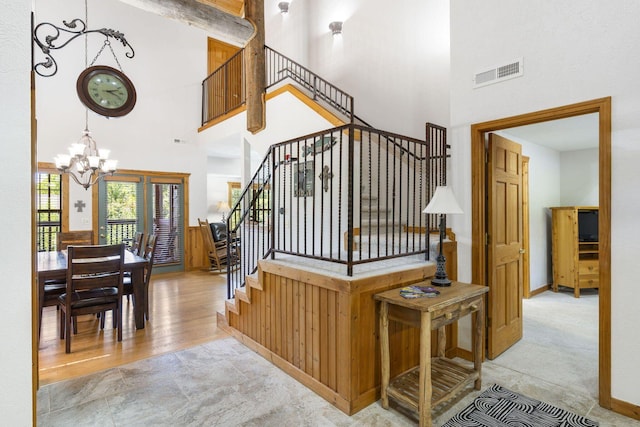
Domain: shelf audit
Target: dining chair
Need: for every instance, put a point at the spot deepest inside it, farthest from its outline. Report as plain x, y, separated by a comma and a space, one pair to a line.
80, 237
137, 244
94, 285
148, 253
52, 289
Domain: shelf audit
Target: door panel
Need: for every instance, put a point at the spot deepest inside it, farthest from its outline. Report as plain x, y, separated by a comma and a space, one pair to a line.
504, 222
121, 210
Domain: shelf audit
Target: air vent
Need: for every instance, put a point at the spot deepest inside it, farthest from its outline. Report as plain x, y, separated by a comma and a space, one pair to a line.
499, 74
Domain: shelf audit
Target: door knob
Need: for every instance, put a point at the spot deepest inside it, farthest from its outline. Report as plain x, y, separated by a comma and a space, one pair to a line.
103, 236
522, 251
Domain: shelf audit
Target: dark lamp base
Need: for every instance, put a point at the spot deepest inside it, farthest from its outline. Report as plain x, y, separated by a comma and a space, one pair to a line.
440, 278
441, 282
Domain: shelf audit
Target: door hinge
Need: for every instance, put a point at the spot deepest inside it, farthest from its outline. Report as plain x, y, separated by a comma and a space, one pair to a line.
487, 239
488, 322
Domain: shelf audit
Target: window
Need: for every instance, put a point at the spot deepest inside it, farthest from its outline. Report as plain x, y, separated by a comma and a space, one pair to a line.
259, 211
167, 222
48, 210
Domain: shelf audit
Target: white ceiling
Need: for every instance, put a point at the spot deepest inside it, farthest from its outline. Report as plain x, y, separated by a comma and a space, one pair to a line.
570, 134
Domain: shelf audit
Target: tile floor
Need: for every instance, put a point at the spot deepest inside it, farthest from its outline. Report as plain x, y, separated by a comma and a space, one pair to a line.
223, 383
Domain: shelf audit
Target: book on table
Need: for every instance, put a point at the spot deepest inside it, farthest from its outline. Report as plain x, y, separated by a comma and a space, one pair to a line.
419, 291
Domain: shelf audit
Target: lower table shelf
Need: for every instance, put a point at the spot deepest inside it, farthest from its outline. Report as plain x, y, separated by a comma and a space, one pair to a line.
447, 379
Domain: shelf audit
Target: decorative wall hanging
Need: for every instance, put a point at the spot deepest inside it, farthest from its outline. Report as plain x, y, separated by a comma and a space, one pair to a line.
319, 145
325, 176
303, 176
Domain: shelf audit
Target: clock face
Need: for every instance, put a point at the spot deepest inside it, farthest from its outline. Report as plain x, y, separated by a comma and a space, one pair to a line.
106, 91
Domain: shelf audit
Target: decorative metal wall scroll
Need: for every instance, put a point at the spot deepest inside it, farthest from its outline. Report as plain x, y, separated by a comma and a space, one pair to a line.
48, 38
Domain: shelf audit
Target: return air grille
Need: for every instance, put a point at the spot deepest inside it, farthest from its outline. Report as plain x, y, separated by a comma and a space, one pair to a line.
498, 74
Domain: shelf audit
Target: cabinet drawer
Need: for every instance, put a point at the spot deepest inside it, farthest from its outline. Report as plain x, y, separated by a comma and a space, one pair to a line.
453, 312
588, 267
589, 281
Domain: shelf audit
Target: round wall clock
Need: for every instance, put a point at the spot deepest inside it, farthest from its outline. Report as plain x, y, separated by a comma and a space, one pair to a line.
106, 91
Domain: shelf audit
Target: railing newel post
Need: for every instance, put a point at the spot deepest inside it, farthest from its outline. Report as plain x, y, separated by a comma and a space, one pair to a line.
350, 201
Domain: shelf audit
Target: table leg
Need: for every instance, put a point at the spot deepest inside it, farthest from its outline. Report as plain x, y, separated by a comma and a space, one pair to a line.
478, 320
442, 341
384, 356
424, 400
139, 296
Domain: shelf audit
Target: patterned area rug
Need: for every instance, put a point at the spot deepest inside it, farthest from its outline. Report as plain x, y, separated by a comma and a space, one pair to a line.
499, 407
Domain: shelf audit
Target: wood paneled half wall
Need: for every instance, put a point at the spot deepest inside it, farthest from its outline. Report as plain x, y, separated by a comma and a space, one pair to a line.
322, 328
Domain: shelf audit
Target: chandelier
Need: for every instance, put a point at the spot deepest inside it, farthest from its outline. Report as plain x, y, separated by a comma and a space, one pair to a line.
85, 163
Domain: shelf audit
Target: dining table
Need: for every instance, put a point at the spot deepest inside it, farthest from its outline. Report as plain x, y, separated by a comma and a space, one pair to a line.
52, 265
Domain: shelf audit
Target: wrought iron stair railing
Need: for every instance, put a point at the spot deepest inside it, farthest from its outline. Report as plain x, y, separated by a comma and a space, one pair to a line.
348, 195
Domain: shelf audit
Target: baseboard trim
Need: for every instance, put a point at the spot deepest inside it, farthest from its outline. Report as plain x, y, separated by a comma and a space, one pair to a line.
464, 354
625, 408
539, 291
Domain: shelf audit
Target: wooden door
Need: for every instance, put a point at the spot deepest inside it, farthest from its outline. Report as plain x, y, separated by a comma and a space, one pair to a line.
526, 270
504, 248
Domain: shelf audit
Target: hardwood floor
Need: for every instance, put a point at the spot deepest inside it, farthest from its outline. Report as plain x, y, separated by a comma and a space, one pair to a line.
183, 309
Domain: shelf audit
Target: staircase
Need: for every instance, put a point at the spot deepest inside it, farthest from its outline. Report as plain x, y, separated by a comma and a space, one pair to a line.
331, 191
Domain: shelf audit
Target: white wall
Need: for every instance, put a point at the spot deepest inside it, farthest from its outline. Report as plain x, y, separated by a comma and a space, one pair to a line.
167, 70
16, 403
222, 171
394, 59
544, 192
570, 49
579, 181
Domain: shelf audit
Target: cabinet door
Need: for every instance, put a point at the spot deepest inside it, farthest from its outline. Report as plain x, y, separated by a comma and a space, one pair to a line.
565, 249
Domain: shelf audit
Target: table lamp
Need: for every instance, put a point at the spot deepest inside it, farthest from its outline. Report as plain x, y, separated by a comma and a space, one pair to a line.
443, 202
224, 208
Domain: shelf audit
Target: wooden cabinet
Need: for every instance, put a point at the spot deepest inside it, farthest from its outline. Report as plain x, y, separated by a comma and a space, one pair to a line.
575, 247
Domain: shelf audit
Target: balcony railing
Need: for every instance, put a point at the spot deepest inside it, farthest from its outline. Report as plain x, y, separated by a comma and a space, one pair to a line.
121, 231
224, 90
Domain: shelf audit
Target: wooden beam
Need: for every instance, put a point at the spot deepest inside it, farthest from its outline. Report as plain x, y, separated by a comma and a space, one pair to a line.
255, 68
220, 25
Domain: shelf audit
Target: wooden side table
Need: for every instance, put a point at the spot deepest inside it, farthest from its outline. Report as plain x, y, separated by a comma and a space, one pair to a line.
436, 379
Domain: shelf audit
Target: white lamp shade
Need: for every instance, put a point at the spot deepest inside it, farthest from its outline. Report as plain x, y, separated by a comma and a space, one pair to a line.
223, 207
443, 202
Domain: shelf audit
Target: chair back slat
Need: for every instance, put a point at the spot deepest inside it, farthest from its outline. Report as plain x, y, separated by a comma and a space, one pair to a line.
91, 267
65, 239
138, 243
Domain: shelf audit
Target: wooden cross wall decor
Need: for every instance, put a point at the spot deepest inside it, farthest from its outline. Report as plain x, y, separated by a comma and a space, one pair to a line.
79, 205
325, 176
